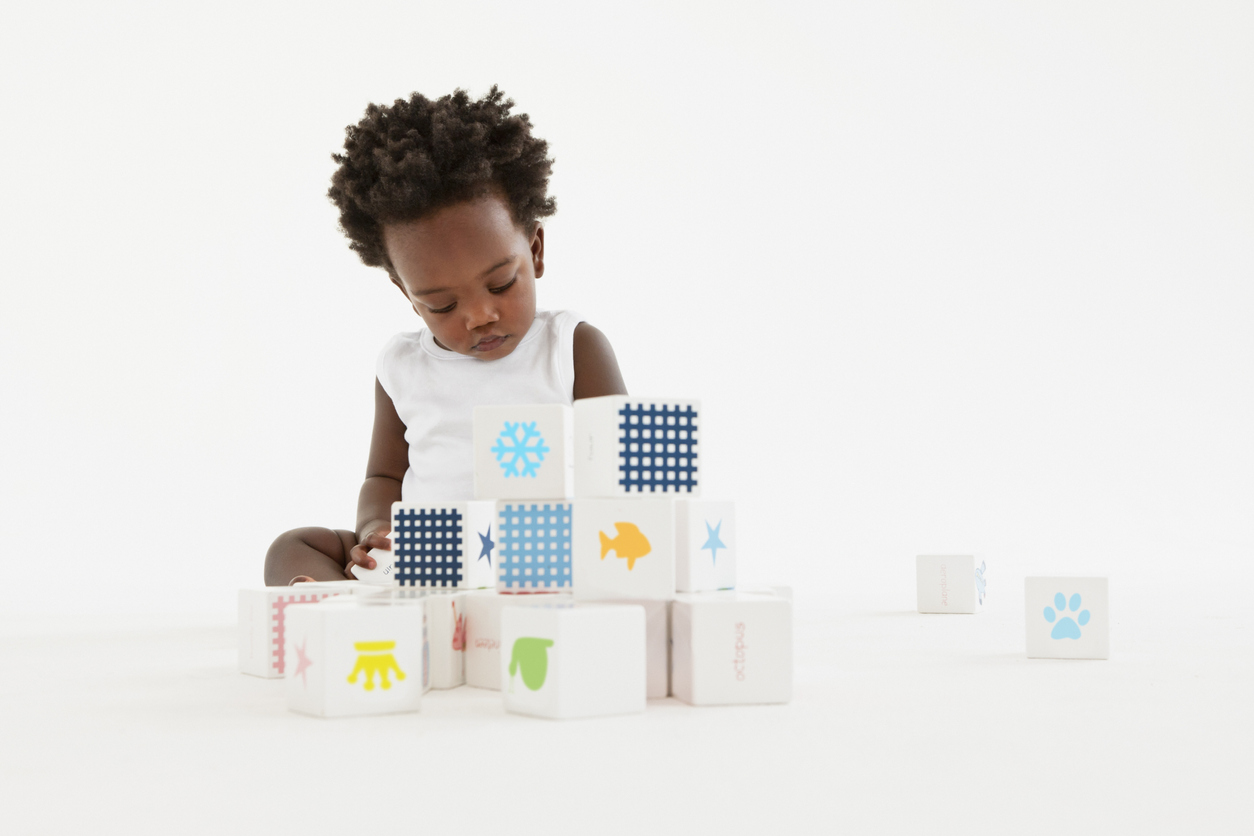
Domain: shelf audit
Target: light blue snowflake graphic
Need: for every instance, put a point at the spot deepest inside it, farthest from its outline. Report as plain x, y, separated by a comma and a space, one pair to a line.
520, 449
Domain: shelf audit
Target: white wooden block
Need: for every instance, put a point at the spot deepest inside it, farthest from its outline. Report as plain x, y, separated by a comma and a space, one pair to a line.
262, 622
705, 545
731, 648
446, 625
949, 583
565, 661
354, 658
443, 545
483, 632
533, 546
623, 549
657, 641
381, 574
626, 446
524, 451
1067, 618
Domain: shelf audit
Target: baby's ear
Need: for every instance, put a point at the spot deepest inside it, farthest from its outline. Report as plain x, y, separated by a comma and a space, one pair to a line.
537, 250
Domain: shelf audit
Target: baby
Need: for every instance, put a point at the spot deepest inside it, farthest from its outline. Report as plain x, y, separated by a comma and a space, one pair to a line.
447, 196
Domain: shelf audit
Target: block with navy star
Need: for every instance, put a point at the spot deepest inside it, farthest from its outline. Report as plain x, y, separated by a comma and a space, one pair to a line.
637, 447
443, 545
705, 545
535, 541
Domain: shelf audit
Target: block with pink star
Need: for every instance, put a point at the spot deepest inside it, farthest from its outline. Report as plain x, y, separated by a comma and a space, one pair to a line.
262, 621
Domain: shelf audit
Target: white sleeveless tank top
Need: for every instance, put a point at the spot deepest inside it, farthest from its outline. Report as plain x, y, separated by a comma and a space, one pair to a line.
435, 392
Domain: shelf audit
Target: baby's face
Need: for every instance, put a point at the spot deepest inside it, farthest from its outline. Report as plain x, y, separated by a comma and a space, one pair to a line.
470, 273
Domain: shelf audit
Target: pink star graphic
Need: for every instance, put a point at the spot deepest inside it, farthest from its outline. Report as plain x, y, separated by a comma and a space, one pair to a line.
302, 663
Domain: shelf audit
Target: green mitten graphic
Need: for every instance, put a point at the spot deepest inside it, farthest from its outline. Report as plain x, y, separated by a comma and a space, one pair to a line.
532, 655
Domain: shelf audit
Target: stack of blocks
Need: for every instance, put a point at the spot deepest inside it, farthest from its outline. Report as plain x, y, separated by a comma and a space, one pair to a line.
558, 582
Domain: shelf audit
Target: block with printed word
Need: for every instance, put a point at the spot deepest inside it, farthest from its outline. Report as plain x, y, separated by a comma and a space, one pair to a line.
627, 446
623, 549
382, 572
262, 621
524, 451
483, 632
1067, 618
356, 656
731, 648
949, 583
446, 627
705, 545
573, 660
443, 545
533, 546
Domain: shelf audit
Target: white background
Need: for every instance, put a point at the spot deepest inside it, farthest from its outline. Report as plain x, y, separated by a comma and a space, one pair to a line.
947, 277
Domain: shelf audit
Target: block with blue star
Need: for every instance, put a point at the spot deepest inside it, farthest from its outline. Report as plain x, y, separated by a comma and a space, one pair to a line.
444, 545
524, 451
705, 545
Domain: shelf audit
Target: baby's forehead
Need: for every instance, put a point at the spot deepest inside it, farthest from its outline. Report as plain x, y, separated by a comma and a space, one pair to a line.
472, 238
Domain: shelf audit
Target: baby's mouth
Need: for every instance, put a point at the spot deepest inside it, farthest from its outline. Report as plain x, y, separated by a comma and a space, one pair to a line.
488, 344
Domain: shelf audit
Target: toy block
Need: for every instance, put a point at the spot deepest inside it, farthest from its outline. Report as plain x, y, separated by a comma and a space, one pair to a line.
627, 446
262, 622
356, 657
731, 648
949, 583
565, 661
1067, 618
381, 574
657, 645
443, 545
483, 632
705, 545
533, 546
446, 625
623, 549
524, 451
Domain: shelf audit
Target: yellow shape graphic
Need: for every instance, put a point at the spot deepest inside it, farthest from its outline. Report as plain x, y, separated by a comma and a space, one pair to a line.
372, 658
629, 543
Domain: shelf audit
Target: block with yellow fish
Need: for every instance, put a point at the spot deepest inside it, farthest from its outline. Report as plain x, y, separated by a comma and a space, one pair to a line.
731, 648
623, 549
524, 451
443, 545
705, 545
573, 660
483, 631
627, 446
356, 656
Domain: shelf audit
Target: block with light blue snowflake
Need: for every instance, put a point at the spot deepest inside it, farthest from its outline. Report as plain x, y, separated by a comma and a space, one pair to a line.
950, 583
443, 545
627, 446
705, 545
1067, 618
524, 451
534, 540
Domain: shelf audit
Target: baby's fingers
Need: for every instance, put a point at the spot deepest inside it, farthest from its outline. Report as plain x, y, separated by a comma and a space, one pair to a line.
359, 554
378, 540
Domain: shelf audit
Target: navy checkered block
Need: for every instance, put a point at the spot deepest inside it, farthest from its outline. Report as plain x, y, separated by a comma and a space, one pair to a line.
658, 444
427, 543
533, 549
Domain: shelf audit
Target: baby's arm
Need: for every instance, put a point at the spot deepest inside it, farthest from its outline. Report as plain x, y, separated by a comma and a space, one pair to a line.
596, 367
385, 470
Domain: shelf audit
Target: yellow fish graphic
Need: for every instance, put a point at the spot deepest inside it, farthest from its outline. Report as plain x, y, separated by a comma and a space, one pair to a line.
629, 543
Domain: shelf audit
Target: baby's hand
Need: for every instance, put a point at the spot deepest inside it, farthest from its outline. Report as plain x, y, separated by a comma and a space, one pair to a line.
372, 538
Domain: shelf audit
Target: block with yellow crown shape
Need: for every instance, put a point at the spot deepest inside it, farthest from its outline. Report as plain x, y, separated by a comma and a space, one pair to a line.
631, 447
623, 549
570, 660
356, 656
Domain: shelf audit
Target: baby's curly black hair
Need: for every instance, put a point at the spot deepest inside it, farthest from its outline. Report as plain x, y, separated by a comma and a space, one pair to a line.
418, 156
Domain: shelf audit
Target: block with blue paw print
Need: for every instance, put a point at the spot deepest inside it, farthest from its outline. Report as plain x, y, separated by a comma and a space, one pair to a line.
1067, 618
356, 656
524, 451
950, 583
705, 545
443, 545
573, 660
629, 447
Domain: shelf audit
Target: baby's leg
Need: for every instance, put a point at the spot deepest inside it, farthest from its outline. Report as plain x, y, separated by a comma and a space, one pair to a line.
318, 554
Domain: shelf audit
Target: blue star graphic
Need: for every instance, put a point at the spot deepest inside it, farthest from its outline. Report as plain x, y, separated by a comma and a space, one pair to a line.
714, 544
486, 541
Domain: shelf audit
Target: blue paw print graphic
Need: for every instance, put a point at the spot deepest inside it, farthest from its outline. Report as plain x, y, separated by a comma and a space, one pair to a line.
1066, 627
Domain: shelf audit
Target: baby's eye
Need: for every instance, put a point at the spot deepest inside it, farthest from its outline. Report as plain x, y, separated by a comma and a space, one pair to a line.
503, 287
444, 309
